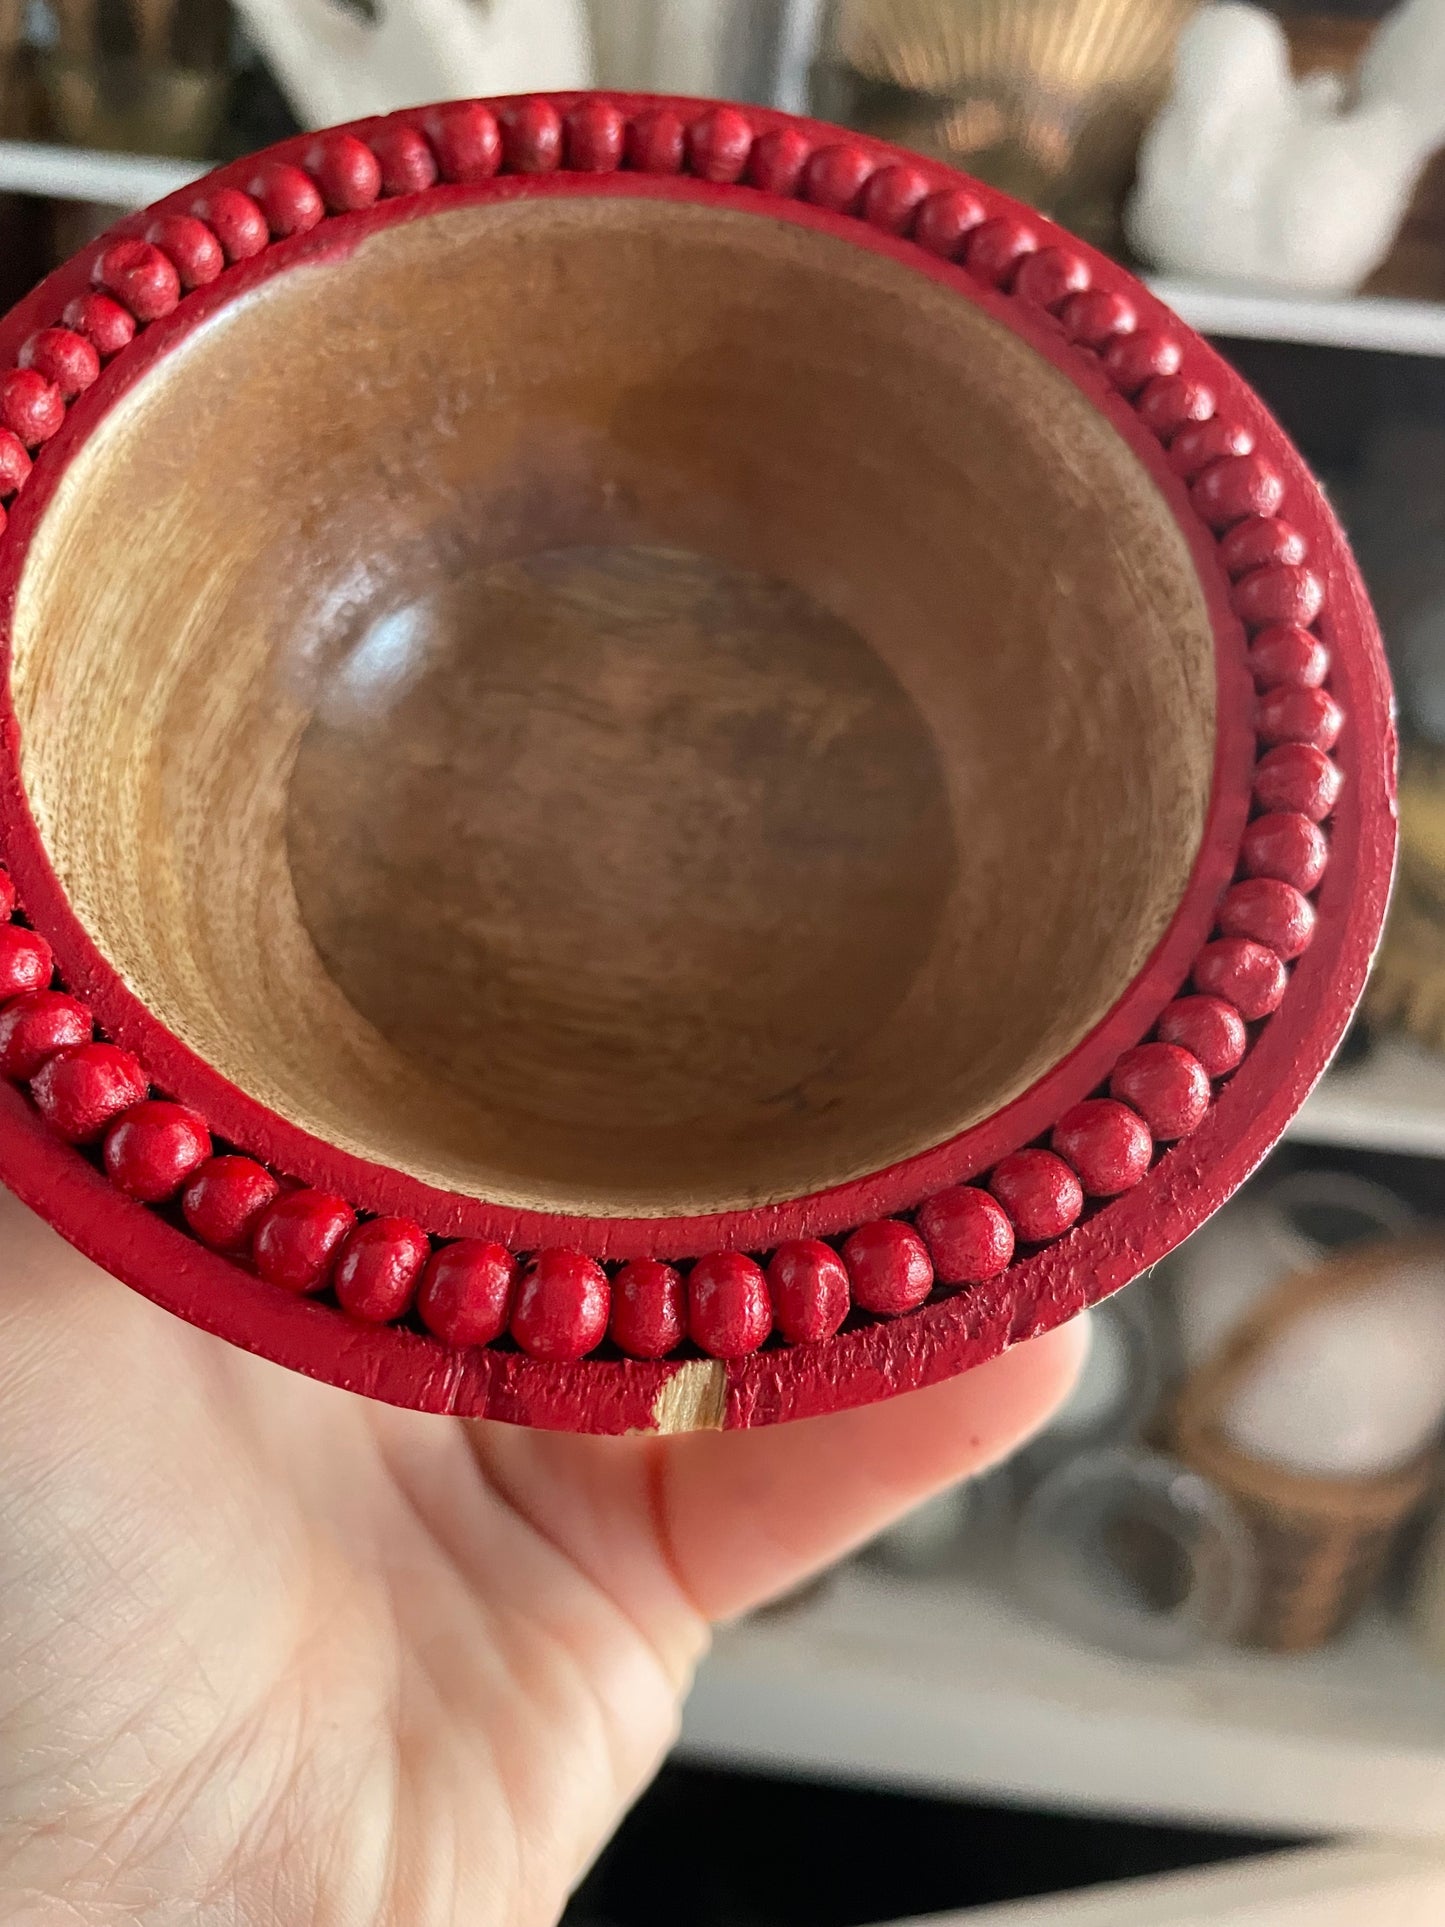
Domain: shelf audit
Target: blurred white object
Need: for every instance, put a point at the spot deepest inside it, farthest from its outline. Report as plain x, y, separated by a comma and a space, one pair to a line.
1250, 175
1355, 1386
665, 46
1292, 1225
333, 65
739, 49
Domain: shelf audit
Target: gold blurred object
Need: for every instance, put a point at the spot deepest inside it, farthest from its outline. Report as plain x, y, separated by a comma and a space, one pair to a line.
1408, 986
139, 76
1046, 99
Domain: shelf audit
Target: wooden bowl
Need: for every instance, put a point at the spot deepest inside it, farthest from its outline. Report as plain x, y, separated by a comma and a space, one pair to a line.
630, 731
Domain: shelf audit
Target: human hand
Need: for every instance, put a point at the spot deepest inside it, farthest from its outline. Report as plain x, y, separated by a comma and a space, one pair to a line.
273, 1654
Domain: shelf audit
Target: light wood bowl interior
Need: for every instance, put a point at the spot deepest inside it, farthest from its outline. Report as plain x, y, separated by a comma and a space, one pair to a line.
614, 706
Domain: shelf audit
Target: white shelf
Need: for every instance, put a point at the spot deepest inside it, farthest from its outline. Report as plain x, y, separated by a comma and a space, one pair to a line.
944, 1686
1394, 1101
84, 174
1335, 321
1341, 321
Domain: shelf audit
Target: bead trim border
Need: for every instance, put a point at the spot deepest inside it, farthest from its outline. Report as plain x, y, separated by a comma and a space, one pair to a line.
560, 1305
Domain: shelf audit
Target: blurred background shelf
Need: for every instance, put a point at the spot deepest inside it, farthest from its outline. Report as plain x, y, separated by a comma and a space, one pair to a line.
1393, 1101
85, 174
1334, 321
1347, 321
946, 1686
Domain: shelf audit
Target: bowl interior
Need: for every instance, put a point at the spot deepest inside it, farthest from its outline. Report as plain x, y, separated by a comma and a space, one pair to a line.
616, 706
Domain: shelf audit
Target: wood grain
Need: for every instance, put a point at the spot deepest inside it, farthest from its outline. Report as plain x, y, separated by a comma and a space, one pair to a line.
616, 709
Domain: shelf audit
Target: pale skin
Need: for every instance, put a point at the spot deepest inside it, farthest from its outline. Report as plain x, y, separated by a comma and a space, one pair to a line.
270, 1653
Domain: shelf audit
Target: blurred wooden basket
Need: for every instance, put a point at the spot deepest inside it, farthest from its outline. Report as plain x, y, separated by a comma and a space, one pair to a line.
1321, 1544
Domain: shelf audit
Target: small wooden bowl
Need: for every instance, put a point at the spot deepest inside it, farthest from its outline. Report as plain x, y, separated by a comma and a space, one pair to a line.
657, 693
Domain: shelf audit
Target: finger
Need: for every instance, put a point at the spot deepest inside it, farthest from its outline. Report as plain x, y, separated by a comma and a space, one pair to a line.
749, 1514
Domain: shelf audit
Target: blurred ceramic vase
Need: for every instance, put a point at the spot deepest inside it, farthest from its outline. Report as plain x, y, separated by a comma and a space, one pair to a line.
1251, 175
1044, 98
1132, 1551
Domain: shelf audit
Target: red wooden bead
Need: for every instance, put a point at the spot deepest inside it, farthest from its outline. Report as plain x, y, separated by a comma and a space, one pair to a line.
14, 463
466, 140
1271, 912
1168, 402
106, 325
561, 1304
656, 141
1287, 845
466, 1292
1240, 485
64, 357
968, 1235
404, 156
777, 160
1049, 277
290, 200
719, 143
1107, 1144
595, 134
1297, 776
946, 219
995, 249
889, 1267
298, 1236
1166, 1084
1285, 653
151, 1149
1246, 974
531, 135
809, 1287
236, 221
35, 1026
836, 176
7, 895
346, 171
729, 1312
26, 961
893, 198
79, 1091
198, 256
376, 1275
1093, 319
1210, 1028
649, 1309
30, 406
1260, 539
1200, 444
140, 277
1299, 716
225, 1198
1039, 1192
1278, 593
1132, 360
